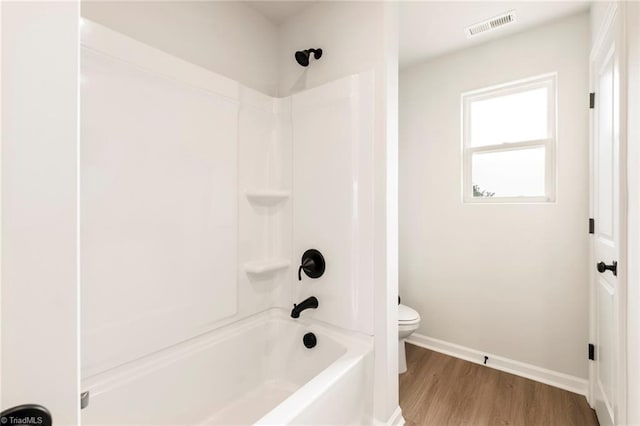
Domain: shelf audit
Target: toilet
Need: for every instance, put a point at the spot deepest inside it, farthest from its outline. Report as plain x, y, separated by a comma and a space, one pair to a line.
408, 322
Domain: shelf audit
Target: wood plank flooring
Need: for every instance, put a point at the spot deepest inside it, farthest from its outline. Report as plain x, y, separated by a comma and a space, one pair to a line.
441, 390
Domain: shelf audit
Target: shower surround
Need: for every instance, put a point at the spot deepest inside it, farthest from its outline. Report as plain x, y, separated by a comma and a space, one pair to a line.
198, 197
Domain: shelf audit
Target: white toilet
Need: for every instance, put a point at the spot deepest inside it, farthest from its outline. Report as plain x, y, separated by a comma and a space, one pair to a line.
408, 322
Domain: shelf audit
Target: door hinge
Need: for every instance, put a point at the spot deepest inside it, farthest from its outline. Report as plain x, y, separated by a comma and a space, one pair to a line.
592, 100
592, 225
592, 352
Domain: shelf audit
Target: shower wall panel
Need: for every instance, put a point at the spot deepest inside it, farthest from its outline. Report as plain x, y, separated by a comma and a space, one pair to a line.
158, 201
333, 198
264, 202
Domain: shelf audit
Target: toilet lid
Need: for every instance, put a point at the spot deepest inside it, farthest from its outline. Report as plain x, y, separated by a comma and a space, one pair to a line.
406, 314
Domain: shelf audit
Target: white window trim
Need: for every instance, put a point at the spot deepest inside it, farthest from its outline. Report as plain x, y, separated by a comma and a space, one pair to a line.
550, 82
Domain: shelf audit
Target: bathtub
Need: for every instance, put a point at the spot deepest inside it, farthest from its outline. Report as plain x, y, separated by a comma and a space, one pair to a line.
256, 371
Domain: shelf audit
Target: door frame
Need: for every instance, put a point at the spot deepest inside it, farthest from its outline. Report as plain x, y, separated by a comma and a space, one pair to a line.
632, 33
613, 22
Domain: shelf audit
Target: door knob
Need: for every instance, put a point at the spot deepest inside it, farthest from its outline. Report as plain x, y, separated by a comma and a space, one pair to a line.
602, 267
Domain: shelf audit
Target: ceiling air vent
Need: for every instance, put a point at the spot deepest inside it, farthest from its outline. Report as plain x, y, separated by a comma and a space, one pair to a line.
490, 24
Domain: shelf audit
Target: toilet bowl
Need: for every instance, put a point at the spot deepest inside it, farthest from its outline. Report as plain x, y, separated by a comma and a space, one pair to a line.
408, 322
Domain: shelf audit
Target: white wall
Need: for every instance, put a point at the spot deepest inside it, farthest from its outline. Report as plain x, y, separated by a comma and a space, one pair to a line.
39, 147
349, 34
229, 38
355, 37
506, 279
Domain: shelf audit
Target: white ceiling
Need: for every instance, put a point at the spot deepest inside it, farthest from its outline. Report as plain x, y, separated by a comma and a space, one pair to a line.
431, 28
279, 11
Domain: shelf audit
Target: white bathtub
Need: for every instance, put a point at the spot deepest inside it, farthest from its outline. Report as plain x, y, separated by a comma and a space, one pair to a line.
253, 372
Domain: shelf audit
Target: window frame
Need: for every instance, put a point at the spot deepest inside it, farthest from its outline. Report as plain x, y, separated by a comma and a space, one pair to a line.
548, 81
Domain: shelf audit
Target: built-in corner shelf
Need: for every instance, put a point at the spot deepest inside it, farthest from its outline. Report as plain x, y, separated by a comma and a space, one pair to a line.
267, 266
267, 197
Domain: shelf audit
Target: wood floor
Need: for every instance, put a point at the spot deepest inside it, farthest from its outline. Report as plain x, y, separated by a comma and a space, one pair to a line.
441, 390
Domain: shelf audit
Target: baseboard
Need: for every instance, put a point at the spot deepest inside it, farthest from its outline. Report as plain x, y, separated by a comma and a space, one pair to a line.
539, 374
396, 418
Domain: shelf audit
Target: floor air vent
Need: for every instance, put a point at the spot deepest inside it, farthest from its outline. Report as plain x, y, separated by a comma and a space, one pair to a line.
490, 24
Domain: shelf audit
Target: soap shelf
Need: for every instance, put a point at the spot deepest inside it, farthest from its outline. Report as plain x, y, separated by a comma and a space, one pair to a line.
267, 197
266, 266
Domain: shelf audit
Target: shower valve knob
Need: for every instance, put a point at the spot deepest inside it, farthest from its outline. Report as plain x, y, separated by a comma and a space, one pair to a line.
312, 264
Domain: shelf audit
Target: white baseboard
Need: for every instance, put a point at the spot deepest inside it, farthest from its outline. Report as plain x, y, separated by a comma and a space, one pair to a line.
396, 418
542, 375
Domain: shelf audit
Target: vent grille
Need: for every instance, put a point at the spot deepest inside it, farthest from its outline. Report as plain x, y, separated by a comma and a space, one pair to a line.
491, 24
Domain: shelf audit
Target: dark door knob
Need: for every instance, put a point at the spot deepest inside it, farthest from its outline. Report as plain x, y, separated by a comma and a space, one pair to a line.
603, 267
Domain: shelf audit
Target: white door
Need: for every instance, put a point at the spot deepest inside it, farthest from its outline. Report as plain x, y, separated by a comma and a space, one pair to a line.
606, 305
38, 207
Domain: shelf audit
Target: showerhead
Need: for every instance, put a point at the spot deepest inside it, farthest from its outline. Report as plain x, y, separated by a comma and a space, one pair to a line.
302, 56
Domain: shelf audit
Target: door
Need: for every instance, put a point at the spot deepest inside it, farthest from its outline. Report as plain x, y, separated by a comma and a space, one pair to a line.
606, 320
38, 240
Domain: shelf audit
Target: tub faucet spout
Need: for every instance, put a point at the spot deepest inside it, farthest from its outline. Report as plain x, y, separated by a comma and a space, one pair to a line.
309, 303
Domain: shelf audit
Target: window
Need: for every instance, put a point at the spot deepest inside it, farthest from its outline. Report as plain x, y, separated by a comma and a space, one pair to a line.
509, 139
